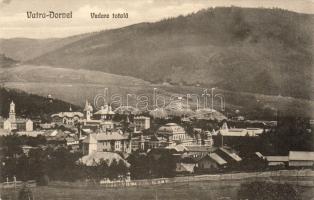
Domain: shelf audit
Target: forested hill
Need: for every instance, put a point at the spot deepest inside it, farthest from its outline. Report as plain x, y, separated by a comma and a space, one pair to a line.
29, 105
267, 51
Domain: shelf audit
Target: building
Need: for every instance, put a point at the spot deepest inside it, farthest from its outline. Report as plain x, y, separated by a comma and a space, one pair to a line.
211, 162
197, 151
301, 159
88, 111
68, 118
172, 132
141, 123
227, 155
100, 121
277, 160
13, 123
105, 113
171, 135
95, 158
185, 167
111, 141
71, 141
294, 159
176, 135
239, 132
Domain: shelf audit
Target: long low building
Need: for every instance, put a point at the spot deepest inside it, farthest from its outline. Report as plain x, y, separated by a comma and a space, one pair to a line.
239, 132
277, 160
301, 159
294, 159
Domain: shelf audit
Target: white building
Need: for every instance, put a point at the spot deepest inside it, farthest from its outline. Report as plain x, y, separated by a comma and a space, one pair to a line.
141, 123
102, 119
107, 142
68, 118
239, 132
173, 135
13, 123
301, 159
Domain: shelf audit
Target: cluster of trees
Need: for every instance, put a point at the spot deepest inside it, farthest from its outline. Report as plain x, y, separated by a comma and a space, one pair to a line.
149, 166
266, 190
50, 163
102, 170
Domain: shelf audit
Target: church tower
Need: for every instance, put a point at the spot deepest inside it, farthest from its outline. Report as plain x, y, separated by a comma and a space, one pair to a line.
12, 112
88, 110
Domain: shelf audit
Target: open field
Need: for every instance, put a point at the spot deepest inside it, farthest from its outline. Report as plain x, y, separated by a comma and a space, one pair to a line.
209, 190
223, 186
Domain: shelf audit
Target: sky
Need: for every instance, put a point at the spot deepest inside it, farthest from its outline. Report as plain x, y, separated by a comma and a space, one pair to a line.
14, 21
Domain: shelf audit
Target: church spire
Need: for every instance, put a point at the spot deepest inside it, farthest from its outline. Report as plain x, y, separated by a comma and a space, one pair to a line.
12, 112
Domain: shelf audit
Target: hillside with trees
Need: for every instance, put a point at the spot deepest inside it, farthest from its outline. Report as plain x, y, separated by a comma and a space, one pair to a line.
265, 51
30, 105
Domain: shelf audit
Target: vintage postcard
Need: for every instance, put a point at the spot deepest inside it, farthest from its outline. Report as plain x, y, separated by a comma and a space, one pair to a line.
157, 99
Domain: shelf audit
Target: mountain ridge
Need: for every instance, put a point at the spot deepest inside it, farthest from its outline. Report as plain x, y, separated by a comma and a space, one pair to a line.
265, 51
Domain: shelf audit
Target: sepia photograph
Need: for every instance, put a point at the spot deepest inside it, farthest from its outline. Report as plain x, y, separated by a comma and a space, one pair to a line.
157, 100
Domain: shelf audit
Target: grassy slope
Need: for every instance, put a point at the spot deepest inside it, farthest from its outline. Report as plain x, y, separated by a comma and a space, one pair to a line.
253, 50
6, 62
22, 49
76, 86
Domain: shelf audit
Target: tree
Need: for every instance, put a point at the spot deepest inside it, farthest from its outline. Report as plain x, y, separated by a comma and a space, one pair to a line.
139, 168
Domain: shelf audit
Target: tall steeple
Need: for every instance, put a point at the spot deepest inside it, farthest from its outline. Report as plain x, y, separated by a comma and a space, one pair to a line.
88, 110
12, 112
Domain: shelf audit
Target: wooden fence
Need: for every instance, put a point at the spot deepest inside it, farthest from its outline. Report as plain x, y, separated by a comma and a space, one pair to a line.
294, 175
17, 184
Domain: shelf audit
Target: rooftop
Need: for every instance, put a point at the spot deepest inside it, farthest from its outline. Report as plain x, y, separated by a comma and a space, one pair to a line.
301, 155
105, 110
217, 158
68, 114
93, 138
277, 158
96, 157
232, 155
171, 128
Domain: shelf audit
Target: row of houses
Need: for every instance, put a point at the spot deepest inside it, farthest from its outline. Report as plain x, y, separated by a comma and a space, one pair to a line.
200, 159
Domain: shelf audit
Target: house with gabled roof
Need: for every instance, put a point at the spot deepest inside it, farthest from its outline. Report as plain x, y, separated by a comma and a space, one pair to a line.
110, 141
211, 162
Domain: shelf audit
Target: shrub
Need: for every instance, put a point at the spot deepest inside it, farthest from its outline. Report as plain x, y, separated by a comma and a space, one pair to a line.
267, 191
43, 180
